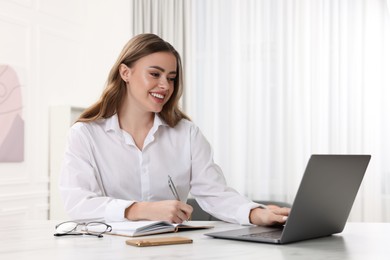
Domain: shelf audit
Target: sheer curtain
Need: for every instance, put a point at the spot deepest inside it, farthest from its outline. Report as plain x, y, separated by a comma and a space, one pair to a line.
274, 81
171, 20
271, 82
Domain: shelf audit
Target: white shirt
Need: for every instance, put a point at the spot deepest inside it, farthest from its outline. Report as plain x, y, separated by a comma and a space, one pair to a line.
104, 172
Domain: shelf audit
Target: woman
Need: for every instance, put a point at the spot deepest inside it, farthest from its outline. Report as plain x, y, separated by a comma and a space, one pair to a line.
123, 148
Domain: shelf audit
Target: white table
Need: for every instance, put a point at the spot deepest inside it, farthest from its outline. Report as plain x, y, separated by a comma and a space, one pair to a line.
34, 240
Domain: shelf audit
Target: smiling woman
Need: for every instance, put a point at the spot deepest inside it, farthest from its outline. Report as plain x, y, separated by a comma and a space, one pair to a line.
123, 148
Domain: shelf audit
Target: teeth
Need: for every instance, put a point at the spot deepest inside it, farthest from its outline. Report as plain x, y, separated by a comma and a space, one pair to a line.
157, 95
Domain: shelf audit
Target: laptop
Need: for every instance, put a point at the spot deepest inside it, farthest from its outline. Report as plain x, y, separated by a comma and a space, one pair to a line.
321, 206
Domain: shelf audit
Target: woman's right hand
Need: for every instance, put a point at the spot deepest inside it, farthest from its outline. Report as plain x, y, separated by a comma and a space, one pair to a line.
168, 210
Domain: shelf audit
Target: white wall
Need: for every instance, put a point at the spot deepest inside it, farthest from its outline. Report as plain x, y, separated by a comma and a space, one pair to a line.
62, 51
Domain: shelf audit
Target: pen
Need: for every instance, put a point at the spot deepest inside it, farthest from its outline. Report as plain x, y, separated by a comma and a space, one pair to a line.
173, 188
174, 191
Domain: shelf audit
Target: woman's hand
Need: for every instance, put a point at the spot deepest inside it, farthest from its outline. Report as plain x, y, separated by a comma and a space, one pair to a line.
272, 215
169, 210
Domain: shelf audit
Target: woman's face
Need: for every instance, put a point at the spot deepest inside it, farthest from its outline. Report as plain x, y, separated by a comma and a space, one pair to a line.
150, 81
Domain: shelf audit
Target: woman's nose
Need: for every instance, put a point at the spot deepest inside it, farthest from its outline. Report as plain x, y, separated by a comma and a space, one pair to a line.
164, 83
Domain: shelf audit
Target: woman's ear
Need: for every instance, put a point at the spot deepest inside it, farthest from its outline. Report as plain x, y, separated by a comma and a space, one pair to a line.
125, 72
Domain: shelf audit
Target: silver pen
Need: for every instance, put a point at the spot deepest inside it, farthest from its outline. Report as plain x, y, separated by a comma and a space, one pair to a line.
173, 188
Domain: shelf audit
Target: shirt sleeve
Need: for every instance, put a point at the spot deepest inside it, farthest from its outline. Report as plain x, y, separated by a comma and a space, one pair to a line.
208, 185
80, 184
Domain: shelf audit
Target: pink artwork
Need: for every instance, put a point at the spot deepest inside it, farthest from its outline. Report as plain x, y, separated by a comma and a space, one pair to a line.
11, 121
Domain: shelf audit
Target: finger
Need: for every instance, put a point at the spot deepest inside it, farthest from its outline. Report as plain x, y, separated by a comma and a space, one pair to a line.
182, 216
277, 219
176, 220
180, 212
281, 211
281, 219
187, 209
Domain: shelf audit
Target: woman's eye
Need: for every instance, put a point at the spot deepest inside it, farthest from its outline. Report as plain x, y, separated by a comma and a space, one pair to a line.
155, 75
172, 79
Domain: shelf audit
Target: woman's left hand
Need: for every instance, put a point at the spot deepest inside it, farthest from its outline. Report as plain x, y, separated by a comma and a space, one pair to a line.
272, 215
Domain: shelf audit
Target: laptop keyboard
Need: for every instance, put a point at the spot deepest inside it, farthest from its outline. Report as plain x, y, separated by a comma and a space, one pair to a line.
271, 234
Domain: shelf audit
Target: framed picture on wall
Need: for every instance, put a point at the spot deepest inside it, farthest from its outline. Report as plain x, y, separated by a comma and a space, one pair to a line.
11, 119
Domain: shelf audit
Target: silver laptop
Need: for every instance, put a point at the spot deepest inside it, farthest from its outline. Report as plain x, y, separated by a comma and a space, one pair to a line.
322, 204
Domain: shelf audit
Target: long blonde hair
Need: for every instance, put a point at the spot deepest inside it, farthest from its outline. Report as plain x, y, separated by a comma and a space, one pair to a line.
115, 90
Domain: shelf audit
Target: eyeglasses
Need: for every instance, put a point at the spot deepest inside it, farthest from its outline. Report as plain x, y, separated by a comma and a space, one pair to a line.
77, 229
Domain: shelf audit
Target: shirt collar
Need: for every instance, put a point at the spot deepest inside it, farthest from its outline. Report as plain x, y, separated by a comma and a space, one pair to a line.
158, 121
112, 123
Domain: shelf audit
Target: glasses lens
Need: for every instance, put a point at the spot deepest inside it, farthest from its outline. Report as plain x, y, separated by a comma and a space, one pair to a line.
96, 227
66, 227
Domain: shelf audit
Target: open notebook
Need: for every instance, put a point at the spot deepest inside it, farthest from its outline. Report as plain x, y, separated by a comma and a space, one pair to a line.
143, 228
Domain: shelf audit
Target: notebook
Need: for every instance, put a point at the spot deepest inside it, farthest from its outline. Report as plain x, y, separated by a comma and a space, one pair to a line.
144, 228
321, 206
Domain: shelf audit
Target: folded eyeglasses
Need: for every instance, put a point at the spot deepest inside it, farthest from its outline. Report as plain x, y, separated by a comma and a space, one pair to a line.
87, 228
